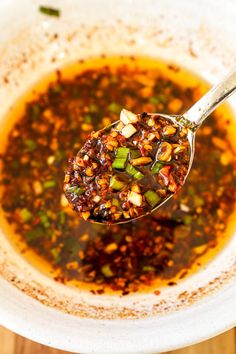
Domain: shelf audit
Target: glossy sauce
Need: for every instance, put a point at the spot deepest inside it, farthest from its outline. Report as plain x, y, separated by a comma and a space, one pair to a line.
158, 250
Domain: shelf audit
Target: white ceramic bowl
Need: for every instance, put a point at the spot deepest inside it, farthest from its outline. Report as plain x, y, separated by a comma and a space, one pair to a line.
199, 35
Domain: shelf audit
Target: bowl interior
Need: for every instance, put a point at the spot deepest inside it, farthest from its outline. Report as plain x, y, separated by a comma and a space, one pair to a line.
32, 45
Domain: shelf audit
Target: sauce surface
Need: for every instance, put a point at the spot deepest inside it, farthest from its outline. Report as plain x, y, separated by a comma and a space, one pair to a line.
159, 249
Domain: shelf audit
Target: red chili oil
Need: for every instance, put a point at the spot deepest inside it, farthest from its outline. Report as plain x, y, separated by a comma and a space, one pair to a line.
53, 123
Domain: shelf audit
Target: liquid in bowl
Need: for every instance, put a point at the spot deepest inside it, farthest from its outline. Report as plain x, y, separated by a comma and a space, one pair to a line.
51, 122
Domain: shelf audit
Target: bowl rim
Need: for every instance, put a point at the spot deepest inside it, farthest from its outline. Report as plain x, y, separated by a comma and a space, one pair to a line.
27, 317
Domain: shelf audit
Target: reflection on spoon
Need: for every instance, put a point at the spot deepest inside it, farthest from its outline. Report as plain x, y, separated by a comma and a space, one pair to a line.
133, 166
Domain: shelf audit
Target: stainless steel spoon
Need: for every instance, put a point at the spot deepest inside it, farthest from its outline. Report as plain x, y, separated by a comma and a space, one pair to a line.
196, 115
192, 120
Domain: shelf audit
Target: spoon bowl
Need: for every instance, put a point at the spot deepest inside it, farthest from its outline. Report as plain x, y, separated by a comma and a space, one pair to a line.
183, 123
136, 180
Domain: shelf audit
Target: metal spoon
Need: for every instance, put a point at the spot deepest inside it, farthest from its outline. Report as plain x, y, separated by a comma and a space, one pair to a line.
192, 120
196, 115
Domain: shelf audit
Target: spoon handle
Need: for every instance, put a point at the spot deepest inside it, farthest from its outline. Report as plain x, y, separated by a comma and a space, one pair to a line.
212, 99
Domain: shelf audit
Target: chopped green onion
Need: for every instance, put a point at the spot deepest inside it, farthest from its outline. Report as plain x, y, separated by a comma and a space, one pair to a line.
30, 145
87, 119
62, 217
130, 170
156, 167
138, 175
119, 163
50, 11
114, 107
55, 252
187, 219
135, 153
93, 108
76, 190
34, 112
154, 100
134, 172
122, 152
115, 202
162, 98
34, 234
44, 219
106, 271
25, 215
200, 220
159, 99
49, 184
121, 157
148, 268
116, 183
152, 198
198, 201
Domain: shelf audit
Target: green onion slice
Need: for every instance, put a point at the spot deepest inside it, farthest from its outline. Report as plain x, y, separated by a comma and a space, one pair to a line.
135, 154
25, 215
156, 167
76, 190
116, 183
49, 184
131, 170
106, 271
152, 198
115, 202
121, 157
50, 11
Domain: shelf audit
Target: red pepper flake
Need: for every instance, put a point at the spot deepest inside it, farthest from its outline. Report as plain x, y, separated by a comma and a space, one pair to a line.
143, 151
165, 172
157, 292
